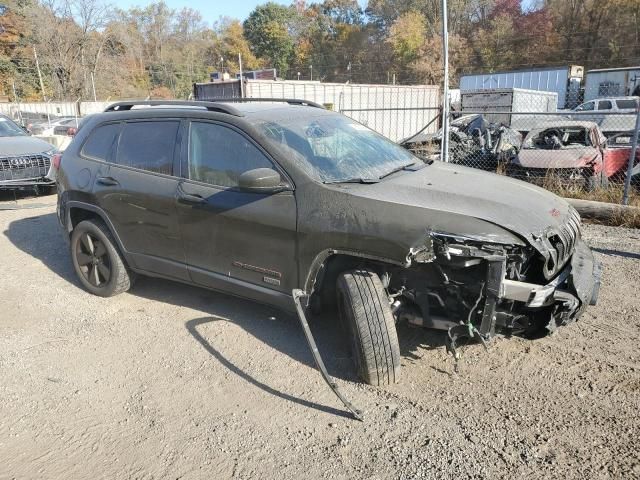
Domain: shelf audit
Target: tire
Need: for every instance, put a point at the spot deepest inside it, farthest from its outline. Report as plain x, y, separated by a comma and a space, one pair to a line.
97, 261
365, 310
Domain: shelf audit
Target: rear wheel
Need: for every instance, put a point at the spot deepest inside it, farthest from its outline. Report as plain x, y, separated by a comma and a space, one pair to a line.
364, 308
97, 261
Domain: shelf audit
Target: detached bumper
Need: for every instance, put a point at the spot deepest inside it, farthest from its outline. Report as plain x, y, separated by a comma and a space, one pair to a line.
574, 288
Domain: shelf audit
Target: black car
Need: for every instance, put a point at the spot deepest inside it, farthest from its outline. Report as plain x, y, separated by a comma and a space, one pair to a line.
292, 205
25, 161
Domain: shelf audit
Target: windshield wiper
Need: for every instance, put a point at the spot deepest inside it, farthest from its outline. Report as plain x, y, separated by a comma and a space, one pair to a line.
396, 170
354, 180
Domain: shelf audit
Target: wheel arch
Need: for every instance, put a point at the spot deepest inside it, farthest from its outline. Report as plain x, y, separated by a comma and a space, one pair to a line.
77, 212
323, 274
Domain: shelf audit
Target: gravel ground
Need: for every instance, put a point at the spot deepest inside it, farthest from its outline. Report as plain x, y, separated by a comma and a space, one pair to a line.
171, 381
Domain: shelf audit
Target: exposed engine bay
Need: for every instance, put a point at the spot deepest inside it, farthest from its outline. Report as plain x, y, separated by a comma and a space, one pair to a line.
476, 289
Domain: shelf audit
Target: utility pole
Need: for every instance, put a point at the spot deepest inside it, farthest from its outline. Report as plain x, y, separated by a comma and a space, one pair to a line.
241, 77
35, 55
93, 87
444, 142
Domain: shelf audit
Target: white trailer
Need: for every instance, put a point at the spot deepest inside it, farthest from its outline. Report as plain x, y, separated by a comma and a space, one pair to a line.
612, 82
395, 111
564, 81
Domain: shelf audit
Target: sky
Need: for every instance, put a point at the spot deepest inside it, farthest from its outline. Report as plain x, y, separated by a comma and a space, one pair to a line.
211, 10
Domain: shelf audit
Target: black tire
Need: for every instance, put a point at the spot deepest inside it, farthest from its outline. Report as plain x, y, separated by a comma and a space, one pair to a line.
97, 261
364, 308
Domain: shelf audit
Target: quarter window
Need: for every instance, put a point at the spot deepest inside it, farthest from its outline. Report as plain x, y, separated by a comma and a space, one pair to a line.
100, 143
218, 155
148, 146
627, 104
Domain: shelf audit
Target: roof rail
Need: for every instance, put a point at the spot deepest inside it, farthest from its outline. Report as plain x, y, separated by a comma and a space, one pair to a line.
290, 101
211, 106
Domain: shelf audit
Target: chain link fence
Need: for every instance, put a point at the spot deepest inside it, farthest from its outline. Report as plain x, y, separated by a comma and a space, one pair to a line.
571, 152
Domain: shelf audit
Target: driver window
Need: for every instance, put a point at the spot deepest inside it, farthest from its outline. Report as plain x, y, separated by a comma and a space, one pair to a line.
218, 155
586, 107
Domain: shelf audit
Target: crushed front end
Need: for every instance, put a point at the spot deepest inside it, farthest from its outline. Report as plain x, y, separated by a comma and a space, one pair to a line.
475, 288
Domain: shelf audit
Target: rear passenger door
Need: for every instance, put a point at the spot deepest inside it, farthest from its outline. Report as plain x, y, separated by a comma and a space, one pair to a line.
138, 194
232, 236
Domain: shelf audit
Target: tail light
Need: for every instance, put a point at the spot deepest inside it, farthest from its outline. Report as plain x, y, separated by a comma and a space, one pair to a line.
72, 131
55, 160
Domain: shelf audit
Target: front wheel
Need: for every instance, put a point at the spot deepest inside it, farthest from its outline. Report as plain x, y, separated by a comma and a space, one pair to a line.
364, 307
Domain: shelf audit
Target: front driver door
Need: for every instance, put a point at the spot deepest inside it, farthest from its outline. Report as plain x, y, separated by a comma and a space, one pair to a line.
233, 237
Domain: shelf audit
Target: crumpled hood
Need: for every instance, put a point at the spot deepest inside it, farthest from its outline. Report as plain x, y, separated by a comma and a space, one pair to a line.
14, 146
519, 207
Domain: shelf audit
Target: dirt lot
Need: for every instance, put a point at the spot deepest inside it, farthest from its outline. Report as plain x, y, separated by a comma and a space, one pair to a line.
170, 381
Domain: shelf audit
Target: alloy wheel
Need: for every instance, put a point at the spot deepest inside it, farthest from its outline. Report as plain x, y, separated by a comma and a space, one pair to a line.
93, 260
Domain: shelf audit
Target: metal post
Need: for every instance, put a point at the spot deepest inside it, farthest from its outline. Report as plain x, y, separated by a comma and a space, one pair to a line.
632, 157
241, 77
93, 87
35, 55
311, 69
444, 142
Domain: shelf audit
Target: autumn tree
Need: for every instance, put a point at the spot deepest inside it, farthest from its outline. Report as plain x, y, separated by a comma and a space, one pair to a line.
267, 31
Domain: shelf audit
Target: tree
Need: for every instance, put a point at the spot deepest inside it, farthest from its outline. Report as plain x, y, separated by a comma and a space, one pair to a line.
267, 31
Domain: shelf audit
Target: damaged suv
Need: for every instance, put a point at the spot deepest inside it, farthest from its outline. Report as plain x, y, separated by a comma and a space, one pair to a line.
288, 204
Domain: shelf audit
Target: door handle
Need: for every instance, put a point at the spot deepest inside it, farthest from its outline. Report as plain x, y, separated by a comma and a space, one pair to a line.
190, 197
109, 181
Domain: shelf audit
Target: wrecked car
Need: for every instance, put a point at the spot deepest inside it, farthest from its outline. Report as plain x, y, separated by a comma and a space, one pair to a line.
298, 207
25, 161
617, 154
473, 142
569, 153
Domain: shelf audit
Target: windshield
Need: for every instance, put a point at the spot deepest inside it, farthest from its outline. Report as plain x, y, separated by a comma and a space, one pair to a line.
10, 129
334, 148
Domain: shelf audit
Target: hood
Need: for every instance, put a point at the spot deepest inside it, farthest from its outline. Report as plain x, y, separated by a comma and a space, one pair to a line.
449, 193
24, 145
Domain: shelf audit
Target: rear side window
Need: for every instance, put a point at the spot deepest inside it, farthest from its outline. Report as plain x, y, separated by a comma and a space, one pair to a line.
604, 105
148, 146
219, 155
100, 143
624, 104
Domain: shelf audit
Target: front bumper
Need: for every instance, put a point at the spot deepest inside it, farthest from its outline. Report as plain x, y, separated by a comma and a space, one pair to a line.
25, 182
567, 295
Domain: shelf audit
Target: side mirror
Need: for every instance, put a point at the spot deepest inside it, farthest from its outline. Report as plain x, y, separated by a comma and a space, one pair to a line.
260, 180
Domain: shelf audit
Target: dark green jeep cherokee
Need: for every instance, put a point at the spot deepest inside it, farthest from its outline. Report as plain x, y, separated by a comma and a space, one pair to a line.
284, 202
